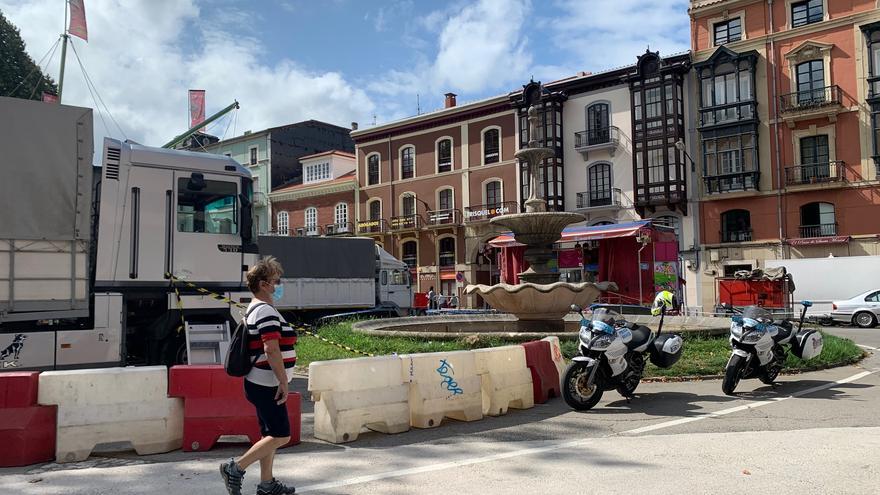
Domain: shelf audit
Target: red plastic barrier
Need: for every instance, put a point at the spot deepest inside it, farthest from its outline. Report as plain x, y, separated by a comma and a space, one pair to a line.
545, 377
215, 405
27, 430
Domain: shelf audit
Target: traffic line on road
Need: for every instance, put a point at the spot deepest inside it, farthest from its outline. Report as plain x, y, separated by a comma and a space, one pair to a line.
868, 347
744, 407
562, 445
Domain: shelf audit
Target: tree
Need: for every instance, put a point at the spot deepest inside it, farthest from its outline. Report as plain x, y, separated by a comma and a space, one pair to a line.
18, 69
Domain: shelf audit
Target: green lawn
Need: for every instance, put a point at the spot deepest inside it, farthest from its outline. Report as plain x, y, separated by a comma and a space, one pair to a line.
702, 355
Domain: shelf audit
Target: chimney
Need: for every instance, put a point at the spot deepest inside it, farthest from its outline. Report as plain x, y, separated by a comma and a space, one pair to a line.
354, 126
450, 100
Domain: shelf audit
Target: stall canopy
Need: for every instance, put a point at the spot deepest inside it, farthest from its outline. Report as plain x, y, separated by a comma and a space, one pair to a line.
598, 232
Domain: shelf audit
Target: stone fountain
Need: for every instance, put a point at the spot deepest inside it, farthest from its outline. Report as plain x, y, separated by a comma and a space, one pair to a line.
540, 296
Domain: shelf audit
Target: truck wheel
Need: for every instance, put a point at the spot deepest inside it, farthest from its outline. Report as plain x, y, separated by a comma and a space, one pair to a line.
864, 319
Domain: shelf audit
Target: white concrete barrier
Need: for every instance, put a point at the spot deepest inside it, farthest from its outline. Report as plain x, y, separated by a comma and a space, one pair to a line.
351, 394
506, 380
112, 405
442, 385
556, 353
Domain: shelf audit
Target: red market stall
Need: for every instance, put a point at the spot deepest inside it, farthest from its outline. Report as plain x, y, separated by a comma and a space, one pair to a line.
642, 258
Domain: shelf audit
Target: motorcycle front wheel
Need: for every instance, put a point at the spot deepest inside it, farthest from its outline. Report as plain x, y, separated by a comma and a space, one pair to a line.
732, 374
577, 393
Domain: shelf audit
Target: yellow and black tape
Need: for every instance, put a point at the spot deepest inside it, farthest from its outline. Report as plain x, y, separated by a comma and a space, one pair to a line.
219, 297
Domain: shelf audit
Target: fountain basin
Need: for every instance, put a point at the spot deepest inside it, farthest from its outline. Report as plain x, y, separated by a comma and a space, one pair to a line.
530, 301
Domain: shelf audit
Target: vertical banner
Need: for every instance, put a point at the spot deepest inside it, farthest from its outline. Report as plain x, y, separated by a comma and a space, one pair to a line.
196, 107
77, 25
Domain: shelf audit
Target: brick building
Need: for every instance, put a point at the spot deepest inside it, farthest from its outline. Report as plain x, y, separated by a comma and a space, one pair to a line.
786, 130
324, 203
429, 185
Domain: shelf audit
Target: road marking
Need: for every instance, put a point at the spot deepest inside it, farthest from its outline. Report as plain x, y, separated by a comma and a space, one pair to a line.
750, 405
868, 347
564, 445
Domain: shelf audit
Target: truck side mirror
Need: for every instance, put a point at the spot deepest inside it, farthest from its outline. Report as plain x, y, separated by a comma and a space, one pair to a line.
196, 182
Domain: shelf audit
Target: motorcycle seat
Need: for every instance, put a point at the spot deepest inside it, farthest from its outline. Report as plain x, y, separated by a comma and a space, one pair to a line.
782, 333
640, 336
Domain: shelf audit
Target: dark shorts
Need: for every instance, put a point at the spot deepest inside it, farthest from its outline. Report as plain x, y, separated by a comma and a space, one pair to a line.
272, 416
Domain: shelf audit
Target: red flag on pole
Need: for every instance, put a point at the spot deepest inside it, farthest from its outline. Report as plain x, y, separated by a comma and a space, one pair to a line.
196, 107
78, 19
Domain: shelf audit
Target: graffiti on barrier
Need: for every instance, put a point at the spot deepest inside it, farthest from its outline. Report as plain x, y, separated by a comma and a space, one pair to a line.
446, 370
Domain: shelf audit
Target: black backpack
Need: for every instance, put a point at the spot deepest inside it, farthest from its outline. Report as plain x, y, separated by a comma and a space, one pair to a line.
238, 357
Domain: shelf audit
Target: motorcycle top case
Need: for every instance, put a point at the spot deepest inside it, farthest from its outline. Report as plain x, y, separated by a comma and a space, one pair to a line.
666, 350
807, 344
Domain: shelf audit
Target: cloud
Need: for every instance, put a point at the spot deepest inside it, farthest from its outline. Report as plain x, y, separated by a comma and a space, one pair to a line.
143, 56
601, 34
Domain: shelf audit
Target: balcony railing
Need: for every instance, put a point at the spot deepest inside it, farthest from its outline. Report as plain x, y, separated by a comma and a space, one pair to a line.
811, 99
308, 231
344, 228
737, 181
609, 198
596, 137
378, 226
736, 235
444, 218
728, 112
811, 173
479, 213
260, 199
821, 230
406, 222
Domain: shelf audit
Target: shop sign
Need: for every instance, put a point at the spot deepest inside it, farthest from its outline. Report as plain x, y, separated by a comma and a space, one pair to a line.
817, 241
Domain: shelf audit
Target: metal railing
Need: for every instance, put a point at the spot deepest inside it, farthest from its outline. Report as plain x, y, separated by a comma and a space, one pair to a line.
821, 230
596, 137
811, 99
736, 235
307, 231
609, 198
440, 218
739, 181
480, 213
811, 173
406, 222
378, 226
728, 112
344, 228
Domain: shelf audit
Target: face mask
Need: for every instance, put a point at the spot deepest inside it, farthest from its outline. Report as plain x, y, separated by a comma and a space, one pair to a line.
278, 293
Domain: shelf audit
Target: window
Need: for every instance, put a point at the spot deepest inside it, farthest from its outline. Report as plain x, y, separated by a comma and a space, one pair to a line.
875, 297
444, 200
491, 146
317, 172
372, 169
407, 162
598, 131
730, 162
340, 216
410, 254
808, 12
728, 31
447, 251
408, 204
673, 222
599, 184
444, 155
493, 194
375, 210
811, 82
206, 206
817, 220
253, 156
736, 226
814, 150
311, 223
283, 223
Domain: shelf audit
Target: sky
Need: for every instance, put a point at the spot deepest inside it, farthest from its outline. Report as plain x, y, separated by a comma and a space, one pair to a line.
339, 61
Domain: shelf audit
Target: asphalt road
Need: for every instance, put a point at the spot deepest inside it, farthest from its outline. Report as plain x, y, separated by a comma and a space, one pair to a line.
814, 433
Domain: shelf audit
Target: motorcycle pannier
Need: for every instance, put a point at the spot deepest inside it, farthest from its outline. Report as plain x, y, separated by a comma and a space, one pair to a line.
666, 350
807, 344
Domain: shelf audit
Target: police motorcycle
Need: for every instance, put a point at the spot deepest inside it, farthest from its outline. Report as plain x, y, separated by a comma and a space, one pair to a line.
612, 355
758, 345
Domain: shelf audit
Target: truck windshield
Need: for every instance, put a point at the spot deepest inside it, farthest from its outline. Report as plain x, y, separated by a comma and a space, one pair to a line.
211, 210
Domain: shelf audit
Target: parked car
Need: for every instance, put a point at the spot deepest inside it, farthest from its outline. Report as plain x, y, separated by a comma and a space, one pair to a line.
862, 310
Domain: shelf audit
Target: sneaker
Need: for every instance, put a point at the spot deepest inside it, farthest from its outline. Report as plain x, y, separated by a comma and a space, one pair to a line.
232, 476
274, 487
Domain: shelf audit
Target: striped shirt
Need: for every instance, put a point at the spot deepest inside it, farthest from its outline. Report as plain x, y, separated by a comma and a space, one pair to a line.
264, 324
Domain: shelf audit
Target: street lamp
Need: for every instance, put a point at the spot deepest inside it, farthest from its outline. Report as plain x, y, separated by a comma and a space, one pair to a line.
679, 145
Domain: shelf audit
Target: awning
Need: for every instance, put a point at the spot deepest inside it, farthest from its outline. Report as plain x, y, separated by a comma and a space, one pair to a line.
595, 233
815, 241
